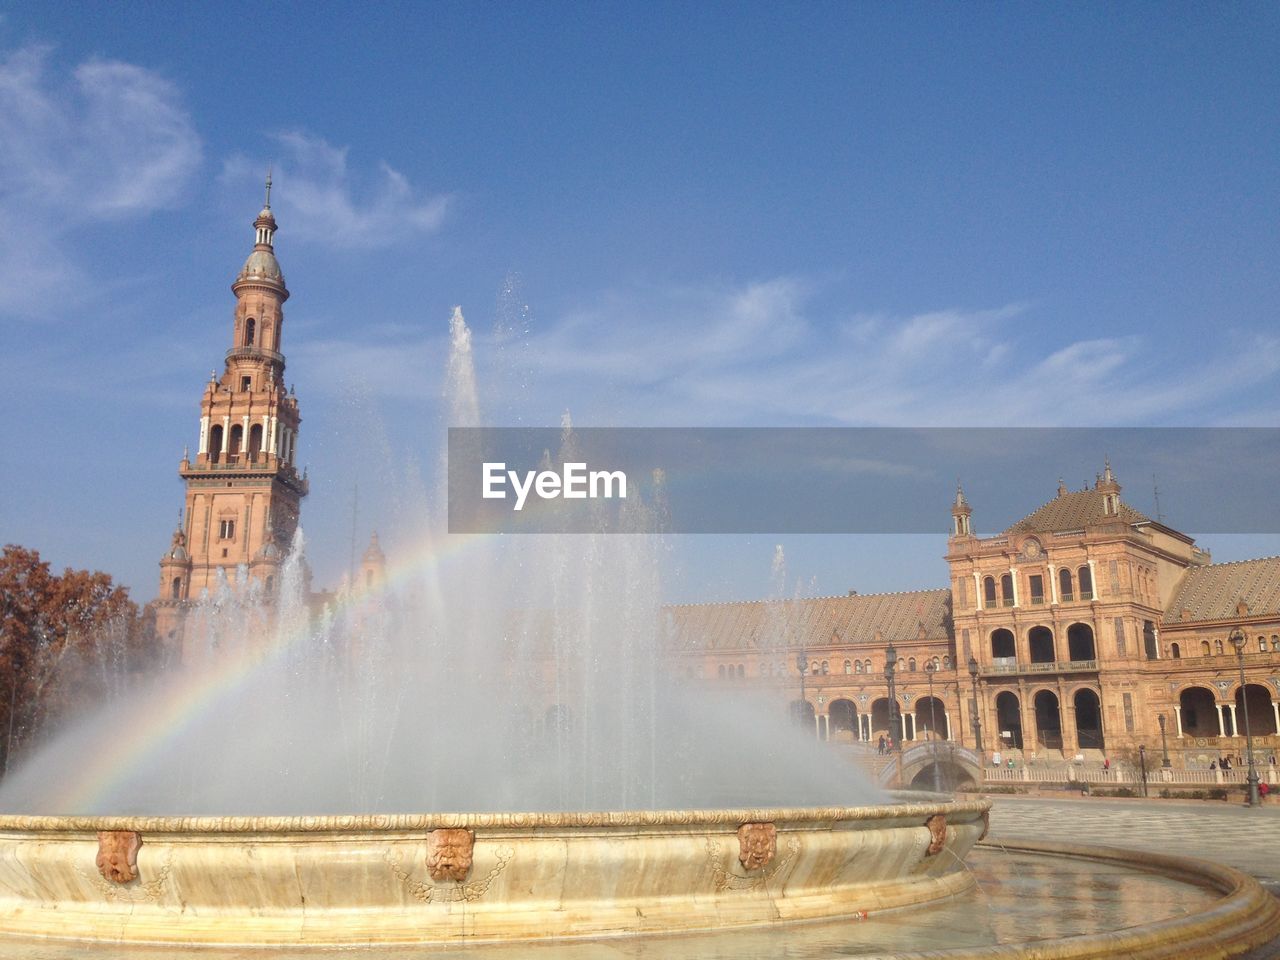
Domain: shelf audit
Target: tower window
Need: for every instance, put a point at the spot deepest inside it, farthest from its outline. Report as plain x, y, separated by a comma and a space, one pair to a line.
175, 588
227, 530
1037, 588
250, 328
246, 383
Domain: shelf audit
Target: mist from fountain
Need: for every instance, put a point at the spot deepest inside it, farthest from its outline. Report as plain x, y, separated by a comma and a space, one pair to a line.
486, 674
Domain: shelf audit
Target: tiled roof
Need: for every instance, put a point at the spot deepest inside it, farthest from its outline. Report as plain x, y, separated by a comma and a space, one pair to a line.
1213, 592
764, 624
1072, 511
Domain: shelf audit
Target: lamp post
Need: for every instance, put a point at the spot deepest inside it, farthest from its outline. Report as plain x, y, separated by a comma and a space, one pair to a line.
802, 664
1164, 744
933, 728
1142, 760
977, 721
1238, 641
890, 666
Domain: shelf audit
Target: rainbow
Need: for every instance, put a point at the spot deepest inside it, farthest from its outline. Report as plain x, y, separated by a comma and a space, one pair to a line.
193, 695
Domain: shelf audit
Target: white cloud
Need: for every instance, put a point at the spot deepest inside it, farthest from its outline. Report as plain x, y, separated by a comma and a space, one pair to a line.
763, 354
323, 200
108, 141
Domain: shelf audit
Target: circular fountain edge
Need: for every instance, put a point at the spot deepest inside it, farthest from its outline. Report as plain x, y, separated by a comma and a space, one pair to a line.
463, 877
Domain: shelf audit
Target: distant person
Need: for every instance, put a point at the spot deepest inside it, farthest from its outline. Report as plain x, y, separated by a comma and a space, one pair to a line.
1106, 763
1213, 764
880, 746
1264, 788
1226, 763
995, 758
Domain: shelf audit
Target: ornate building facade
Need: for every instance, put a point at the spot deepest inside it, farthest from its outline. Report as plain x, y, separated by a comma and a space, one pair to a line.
243, 487
1080, 630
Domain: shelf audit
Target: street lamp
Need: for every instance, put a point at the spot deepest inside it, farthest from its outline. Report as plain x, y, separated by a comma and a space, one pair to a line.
977, 721
1238, 639
890, 666
802, 664
933, 728
1164, 744
1142, 759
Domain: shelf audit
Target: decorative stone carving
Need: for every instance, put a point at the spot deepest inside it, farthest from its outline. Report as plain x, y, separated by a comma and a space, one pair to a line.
448, 892
118, 855
449, 854
937, 825
757, 844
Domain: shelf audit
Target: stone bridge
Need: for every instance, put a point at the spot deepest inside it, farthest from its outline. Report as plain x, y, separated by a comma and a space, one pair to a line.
935, 764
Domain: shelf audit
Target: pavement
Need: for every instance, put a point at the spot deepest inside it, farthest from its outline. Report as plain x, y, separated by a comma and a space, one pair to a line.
1229, 833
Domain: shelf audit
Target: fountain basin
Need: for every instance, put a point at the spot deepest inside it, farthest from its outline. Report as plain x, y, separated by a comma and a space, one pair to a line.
398, 879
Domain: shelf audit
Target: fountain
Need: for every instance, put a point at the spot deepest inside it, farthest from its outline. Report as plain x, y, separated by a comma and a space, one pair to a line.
268, 790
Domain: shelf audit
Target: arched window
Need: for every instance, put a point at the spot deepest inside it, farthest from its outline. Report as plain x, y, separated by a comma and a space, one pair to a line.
946, 662
867, 666
826, 667
215, 444
720, 671
1204, 648
250, 328
813, 668
1262, 644
1064, 585
237, 441
1275, 644
175, 589
255, 440
857, 666
1006, 590
1086, 583
989, 592
937, 664
1175, 651
1217, 647
848, 667
911, 665
902, 665
742, 671
271, 582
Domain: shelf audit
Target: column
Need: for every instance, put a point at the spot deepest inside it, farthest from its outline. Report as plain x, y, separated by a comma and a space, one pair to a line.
271, 438
1235, 726
1013, 578
1027, 710
266, 432
1177, 718
1275, 708
1093, 575
1217, 708
204, 435
977, 591
946, 722
1053, 586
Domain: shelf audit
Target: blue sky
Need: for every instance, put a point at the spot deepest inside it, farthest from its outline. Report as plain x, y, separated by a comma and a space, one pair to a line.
692, 214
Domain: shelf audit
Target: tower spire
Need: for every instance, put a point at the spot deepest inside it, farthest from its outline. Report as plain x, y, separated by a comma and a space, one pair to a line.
961, 514
267, 205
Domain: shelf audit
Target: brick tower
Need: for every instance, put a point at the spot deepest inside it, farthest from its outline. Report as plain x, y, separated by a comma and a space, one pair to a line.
243, 489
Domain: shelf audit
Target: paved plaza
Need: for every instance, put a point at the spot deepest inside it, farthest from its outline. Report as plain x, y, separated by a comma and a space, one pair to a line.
1230, 833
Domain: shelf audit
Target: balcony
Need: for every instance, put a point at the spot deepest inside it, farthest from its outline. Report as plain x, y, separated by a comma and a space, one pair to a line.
254, 353
1003, 667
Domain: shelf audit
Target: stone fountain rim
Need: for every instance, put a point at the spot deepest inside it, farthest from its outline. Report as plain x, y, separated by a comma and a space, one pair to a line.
361, 823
